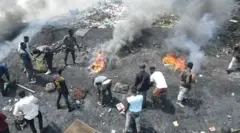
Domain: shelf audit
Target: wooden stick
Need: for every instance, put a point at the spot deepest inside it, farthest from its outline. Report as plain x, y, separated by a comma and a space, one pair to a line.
25, 88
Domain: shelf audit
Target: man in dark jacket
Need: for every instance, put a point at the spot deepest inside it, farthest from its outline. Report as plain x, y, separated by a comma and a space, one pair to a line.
235, 59
142, 82
3, 123
3, 71
69, 41
27, 62
62, 90
185, 85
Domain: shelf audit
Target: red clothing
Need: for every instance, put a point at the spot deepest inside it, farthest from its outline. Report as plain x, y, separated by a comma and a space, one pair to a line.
3, 124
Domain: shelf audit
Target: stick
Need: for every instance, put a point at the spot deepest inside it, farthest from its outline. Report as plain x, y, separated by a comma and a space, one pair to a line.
25, 88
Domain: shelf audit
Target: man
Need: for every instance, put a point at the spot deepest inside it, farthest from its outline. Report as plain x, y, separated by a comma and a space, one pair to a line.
3, 71
48, 56
27, 106
3, 123
142, 82
133, 110
69, 41
186, 80
25, 40
158, 79
103, 84
62, 89
235, 59
27, 62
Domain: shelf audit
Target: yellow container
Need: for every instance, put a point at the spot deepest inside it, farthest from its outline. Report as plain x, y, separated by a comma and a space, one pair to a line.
41, 65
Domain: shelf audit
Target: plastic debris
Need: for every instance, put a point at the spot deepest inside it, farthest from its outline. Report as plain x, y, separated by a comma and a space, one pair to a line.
7, 108
200, 75
233, 94
212, 129
9, 100
15, 100
175, 123
109, 110
120, 106
202, 132
113, 131
234, 21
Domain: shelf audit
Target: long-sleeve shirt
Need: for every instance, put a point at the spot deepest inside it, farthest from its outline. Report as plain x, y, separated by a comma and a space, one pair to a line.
27, 106
142, 81
3, 124
4, 70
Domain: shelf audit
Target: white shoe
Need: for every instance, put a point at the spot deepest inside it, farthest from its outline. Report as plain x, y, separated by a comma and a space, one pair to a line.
32, 82
180, 104
48, 72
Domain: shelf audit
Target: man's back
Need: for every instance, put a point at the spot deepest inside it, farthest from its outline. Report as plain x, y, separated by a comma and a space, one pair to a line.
142, 81
99, 79
159, 79
135, 103
186, 78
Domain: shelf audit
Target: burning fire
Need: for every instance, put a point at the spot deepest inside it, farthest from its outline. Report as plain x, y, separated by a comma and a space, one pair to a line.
178, 63
99, 63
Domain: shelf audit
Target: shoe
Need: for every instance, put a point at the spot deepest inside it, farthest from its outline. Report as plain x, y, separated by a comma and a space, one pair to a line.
70, 110
180, 104
48, 72
32, 82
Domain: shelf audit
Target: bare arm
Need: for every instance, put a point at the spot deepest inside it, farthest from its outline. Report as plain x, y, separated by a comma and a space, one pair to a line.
75, 42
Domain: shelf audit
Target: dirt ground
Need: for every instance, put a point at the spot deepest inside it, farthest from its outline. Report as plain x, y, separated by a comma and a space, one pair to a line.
214, 99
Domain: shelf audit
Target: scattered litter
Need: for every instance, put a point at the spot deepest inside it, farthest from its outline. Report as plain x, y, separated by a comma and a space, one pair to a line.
9, 100
217, 56
175, 123
113, 131
103, 123
77, 101
120, 106
229, 116
99, 103
233, 94
15, 100
109, 110
234, 21
200, 75
212, 129
50, 87
202, 132
7, 108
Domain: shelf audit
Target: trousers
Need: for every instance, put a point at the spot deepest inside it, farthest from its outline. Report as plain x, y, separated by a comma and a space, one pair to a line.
49, 59
182, 93
132, 116
66, 55
102, 92
65, 98
31, 122
144, 94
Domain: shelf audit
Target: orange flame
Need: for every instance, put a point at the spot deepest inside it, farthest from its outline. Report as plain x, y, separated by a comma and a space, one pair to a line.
178, 63
99, 64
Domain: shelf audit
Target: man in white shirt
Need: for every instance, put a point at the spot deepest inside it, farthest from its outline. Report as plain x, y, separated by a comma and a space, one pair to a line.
103, 84
27, 107
158, 79
133, 109
25, 40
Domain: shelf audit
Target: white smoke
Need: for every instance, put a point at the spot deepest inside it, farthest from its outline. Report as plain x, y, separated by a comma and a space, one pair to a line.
141, 14
199, 21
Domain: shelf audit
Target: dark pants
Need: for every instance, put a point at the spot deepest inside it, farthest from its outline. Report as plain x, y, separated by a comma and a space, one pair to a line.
5, 131
65, 98
66, 55
102, 92
2, 86
30, 70
49, 59
31, 123
144, 94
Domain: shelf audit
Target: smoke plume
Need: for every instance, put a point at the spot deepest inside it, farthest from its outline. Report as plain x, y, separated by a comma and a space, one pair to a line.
141, 15
199, 21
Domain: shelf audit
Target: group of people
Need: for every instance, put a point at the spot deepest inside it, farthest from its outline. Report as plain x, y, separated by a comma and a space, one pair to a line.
28, 107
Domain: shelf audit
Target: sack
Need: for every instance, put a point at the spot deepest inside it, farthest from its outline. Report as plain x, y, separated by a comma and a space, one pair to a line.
50, 87
41, 65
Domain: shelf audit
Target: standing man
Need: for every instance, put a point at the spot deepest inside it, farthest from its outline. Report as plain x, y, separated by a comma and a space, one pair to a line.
235, 59
158, 79
103, 84
27, 106
27, 62
186, 80
3, 123
62, 89
142, 82
48, 56
133, 110
69, 41
25, 40
3, 71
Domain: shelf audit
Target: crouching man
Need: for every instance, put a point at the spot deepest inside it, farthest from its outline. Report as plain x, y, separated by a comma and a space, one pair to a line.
48, 56
62, 89
235, 62
28, 108
133, 110
160, 90
3, 71
103, 84
187, 78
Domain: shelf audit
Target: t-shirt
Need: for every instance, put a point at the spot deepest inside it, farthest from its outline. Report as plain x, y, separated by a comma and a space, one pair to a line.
69, 42
135, 103
99, 79
27, 106
186, 79
44, 48
158, 78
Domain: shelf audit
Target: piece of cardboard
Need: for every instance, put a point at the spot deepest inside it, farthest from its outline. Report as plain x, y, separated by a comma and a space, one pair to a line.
79, 127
